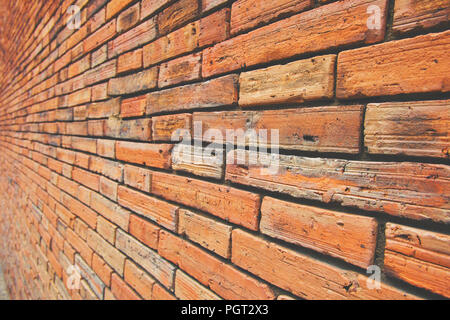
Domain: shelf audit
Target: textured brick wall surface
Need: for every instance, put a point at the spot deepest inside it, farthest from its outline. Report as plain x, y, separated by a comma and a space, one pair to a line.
93, 183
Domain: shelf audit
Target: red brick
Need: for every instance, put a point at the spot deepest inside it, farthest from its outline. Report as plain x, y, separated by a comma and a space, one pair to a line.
106, 148
214, 93
79, 97
246, 14
230, 204
106, 229
80, 210
391, 70
162, 213
86, 178
144, 231
110, 210
108, 188
153, 155
183, 69
221, 278
210, 4
99, 92
159, 293
80, 66
307, 32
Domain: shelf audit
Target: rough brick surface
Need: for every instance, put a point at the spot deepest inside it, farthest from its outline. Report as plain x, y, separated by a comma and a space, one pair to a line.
127, 149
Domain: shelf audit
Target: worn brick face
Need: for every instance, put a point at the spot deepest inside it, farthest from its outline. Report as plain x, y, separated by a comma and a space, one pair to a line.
127, 149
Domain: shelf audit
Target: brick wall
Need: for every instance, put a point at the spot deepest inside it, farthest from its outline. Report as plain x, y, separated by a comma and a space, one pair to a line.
90, 179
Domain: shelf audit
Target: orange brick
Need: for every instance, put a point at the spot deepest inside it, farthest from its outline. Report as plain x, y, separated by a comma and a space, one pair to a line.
133, 107
187, 288
153, 155
307, 32
115, 6
139, 280
236, 206
128, 18
140, 81
221, 278
144, 231
214, 28
303, 275
121, 290
162, 213
183, 69
177, 14
101, 269
136, 177
129, 61
391, 70
246, 14
100, 36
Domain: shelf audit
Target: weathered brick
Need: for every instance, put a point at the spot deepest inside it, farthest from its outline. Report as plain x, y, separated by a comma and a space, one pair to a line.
197, 160
100, 36
307, 32
295, 82
176, 43
139, 129
121, 290
102, 270
391, 70
106, 148
164, 127
162, 213
411, 190
106, 229
133, 38
419, 257
416, 128
136, 177
148, 259
183, 69
128, 18
140, 81
236, 206
95, 283
187, 288
144, 231
222, 278
139, 280
104, 109
108, 188
111, 255
177, 14
86, 178
102, 72
115, 6
152, 155
159, 293
345, 236
325, 129
79, 97
209, 233
302, 275
110, 210
148, 7
133, 107
411, 15
80, 66
211, 4
214, 93
214, 28
129, 61
246, 14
